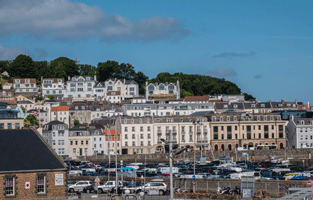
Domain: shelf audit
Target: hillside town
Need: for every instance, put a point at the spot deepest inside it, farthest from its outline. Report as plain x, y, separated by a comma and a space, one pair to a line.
82, 117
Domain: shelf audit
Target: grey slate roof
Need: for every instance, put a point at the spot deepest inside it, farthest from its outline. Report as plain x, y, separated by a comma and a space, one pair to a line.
24, 150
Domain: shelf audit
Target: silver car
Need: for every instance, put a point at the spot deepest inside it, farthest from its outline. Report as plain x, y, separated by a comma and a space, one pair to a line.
162, 187
79, 186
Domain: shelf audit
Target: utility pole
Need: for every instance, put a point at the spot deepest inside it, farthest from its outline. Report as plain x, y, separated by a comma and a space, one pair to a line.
116, 177
171, 165
109, 153
194, 169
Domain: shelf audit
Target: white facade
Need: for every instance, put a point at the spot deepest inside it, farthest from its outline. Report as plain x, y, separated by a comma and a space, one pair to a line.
52, 86
98, 144
300, 132
127, 88
162, 88
56, 134
79, 87
25, 86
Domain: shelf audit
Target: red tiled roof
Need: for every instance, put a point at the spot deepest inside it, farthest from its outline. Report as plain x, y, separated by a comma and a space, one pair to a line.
196, 98
10, 101
110, 131
59, 108
22, 80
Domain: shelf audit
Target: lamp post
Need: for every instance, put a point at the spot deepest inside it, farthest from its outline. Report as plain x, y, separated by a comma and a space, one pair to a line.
109, 153
116, 177
170, 142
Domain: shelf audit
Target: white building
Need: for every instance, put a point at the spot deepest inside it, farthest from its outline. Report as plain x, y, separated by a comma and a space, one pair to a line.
127, 88
162, 88
56, 134
97, 139
52, 86
114, 96
79, 87
60, 113
25, 86
144, 134
300, 132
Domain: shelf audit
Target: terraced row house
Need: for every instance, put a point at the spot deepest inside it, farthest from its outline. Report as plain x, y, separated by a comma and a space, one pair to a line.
219, 132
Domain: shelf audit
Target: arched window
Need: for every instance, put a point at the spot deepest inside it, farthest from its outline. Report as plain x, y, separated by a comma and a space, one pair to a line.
281, 145
161, 87
229, 147
222, 147
216, 147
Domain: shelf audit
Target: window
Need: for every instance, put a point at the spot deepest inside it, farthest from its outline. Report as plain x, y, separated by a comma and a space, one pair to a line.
133, 129
126, 144
141, 136
86, 142
17, 126
76, 142
190, 137
1, 125
9, 125
9, 186
53, 142
235, 128
149, 136
272, 127
71, 142
82, 142
41, 186
134, 144
141, 129
133, 136
141, 143
126, 137
148, 128
126, 129
86, 151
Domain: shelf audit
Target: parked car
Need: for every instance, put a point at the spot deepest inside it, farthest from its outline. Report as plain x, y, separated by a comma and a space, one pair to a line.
107, 186
79, 186
89, 189
161, 186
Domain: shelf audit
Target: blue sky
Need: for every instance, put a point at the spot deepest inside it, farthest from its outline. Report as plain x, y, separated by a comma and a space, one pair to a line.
265, 47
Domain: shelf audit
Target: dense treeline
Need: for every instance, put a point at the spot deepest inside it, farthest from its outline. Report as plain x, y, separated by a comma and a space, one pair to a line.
25, 67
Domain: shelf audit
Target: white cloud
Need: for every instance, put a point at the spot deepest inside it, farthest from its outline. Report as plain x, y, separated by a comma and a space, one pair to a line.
66, 20
222, 72
10, 53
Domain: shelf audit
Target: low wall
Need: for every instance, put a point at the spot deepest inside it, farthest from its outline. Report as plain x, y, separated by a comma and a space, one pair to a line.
256, 155
210, 185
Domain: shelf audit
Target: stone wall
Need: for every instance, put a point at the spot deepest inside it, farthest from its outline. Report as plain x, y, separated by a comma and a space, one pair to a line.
22, 193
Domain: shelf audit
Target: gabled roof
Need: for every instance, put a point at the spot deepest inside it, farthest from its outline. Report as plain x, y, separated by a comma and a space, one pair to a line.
59, 108
22, 80
25, 150
14, 102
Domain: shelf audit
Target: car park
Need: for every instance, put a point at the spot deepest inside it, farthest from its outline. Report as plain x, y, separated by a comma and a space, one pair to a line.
79, 186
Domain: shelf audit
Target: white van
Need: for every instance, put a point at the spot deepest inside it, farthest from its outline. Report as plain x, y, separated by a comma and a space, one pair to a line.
166, 170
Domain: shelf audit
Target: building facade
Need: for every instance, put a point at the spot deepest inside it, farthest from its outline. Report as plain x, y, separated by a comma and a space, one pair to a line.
52, 86
80, 87
300, 132
56, 135
25, 86
162, 88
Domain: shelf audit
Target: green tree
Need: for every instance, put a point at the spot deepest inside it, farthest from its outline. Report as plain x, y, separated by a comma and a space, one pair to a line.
76, 122
3, 65
87, 70
50, 97
23, 109
106, 70
248, 97
39, 99
30, 120
63, 67
22, 67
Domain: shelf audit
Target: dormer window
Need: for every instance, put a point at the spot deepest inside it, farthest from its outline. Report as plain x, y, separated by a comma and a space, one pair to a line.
125, 121
235, 118
228, 118
263, 105
235, 106
252, 105
293, 105
221, 118
88, 78
288, 104
280, 105
132, 120
225, 106
74, 79
213, 118
148, 120
258, 118
140, 120
27, 81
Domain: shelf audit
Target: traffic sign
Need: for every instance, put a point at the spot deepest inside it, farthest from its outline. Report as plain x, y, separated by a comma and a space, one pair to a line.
193, 182
97, 181
193, 177
132, 183
141, 178
27, 185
